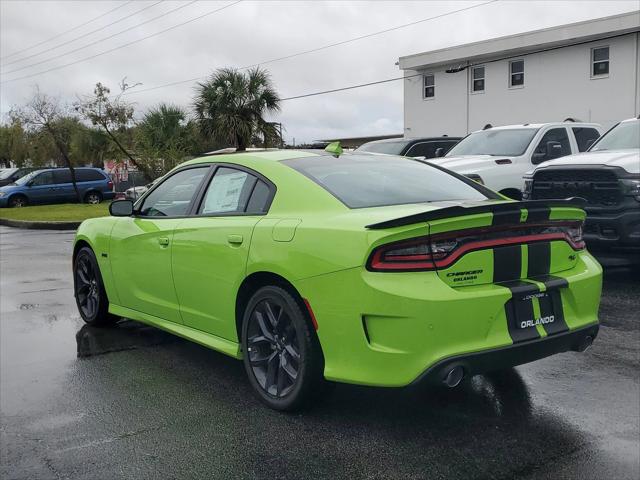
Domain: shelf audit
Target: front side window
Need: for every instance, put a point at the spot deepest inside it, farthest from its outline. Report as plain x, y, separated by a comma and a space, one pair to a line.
585, 137
516, 73
44, 178
429, 86
174, 195
554, 144
477, 79
361, 181
599, 61
625, 135
510, 142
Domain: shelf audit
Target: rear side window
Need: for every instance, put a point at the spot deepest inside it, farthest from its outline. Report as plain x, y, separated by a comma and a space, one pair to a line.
89, 176
585, 137
424, 149
260, 198
228, 192
368, 181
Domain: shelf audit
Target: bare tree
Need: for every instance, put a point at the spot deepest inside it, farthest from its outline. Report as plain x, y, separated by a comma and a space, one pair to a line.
114, 116
48, 114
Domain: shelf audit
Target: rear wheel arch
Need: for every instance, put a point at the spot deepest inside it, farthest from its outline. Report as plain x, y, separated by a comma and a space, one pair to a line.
253, 283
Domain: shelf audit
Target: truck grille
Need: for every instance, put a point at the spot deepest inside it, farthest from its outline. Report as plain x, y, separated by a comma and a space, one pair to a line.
596, 186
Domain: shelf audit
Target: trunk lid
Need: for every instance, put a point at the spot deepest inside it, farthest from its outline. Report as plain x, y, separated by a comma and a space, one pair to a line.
494, 242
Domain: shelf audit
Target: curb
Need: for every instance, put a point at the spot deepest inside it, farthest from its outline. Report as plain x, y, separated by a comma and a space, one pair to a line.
39, 225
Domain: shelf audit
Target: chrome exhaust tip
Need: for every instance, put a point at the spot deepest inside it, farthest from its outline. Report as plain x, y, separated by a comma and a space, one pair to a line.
454, 377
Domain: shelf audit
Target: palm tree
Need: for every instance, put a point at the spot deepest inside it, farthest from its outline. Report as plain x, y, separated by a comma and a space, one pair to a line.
231, 105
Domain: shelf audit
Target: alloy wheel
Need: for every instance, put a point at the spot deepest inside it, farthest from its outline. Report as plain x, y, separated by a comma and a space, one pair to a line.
273, 350
18, 202
87, 287
93, 198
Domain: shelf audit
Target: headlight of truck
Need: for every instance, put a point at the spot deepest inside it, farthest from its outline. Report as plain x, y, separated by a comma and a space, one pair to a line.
475, 177
528, 187
631, 187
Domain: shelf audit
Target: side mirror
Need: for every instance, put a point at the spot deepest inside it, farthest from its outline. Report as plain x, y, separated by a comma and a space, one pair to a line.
439, 152
121, 208
29, 183
554, 150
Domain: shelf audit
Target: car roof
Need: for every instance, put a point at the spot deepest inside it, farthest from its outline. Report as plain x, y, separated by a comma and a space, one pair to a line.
412, 139
536, 126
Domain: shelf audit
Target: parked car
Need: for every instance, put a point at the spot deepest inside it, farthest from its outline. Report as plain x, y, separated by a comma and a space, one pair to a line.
53, 185
10, 175
429, 147
608, 177
313, 266
135, 193
498, 157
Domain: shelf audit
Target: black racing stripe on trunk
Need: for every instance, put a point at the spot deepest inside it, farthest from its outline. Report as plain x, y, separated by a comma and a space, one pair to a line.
519, 308
551, 304
539, 259
538, 214
507, 263
509, 217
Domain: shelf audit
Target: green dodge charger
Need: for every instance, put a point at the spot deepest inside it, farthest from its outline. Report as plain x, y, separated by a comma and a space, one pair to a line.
313, 266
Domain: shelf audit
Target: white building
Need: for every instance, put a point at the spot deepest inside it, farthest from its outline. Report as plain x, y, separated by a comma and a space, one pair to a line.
588, 71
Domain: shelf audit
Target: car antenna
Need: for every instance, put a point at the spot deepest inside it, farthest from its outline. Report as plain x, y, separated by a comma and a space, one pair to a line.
334, 148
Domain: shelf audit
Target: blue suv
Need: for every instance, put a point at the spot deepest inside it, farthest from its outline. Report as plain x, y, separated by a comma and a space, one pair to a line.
53, 185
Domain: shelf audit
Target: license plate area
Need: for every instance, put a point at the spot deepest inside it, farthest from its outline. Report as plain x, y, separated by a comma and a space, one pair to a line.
525, 313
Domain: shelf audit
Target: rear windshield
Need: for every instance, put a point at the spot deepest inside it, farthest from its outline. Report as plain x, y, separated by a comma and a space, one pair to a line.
391, 148
368, 181
510, 142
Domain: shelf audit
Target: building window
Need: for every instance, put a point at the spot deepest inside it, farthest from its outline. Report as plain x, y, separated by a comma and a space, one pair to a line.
599, 61
516, 73
477, 74
429, 86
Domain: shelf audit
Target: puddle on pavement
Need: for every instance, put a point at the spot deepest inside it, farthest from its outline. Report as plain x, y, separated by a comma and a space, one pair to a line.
125, 335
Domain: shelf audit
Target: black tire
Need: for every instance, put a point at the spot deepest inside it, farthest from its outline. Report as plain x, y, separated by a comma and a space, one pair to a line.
91, 297
18, 201
93, 198
282, 355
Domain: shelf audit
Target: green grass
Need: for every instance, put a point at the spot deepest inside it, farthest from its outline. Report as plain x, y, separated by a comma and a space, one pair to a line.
67, 212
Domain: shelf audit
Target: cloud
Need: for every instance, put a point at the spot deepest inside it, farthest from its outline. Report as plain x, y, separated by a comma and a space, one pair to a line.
253, 32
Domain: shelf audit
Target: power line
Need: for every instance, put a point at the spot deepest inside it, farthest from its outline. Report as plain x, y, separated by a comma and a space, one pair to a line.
168, 12
123, 45
324, 47
342, 89
76, 38
67, 31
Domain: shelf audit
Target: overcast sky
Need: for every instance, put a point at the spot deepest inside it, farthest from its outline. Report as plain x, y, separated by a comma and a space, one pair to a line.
253, 32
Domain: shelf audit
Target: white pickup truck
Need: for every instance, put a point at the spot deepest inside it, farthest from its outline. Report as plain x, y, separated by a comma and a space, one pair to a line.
498, 157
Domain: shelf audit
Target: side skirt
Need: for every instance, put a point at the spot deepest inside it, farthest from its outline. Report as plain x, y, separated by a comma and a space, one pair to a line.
205, 339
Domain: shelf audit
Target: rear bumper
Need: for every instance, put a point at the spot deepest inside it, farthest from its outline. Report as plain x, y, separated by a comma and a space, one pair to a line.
510, 356
389, 329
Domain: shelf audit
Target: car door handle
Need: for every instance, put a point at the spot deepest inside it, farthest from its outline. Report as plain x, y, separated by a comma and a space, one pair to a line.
235, 239
163, 241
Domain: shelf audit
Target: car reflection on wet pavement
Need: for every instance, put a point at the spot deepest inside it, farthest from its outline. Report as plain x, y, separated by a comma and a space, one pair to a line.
135, 402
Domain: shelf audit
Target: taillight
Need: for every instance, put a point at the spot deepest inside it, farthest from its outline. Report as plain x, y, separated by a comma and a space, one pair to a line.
110, 185
443, 249
410, 255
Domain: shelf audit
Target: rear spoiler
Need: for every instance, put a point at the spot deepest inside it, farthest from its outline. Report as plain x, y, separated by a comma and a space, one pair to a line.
537, 209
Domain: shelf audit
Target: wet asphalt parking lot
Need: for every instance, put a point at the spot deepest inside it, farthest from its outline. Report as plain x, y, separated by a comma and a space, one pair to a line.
134, 402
